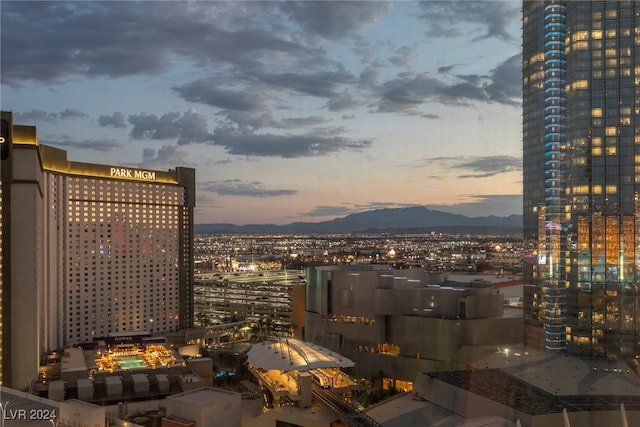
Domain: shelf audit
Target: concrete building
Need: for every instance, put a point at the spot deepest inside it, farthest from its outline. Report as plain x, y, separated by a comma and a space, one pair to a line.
538, 389
272, 301
205, 407
88, 250
581, 176
401, 322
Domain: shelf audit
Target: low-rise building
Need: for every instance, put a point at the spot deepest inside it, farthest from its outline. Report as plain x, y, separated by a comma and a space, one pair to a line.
205, 407
538, 389
396, 323
273, 301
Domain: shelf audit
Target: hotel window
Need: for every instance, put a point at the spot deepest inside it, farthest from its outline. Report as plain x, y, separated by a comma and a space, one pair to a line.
612, 72
581, 45
580, 84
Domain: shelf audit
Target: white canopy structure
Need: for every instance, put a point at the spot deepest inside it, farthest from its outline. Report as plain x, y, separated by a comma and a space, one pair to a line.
290, 354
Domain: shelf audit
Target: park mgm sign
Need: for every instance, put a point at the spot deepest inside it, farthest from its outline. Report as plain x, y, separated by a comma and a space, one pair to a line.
133, 174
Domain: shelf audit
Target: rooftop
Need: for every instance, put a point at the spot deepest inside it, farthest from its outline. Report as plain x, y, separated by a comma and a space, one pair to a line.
294, 355
512, 392
536, 382
203, 396
564, 375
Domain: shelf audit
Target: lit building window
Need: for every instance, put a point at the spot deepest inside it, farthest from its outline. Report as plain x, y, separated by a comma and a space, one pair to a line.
580, 84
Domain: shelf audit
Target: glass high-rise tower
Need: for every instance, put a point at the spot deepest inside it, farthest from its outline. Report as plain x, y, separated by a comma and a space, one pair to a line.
581, 179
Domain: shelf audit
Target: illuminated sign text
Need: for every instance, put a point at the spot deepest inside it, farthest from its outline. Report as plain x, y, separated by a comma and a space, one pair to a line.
133, 174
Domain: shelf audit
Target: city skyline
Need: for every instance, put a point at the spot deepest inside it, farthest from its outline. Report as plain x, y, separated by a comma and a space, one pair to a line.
289, 111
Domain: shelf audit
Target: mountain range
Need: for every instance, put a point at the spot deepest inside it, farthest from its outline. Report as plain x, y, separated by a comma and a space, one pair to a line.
416, 219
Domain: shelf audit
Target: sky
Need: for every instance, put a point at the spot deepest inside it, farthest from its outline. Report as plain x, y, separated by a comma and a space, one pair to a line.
289, 111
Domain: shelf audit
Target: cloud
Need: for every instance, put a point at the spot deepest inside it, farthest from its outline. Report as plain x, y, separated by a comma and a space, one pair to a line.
462, 91
168, 156
490, 19
236, 187
204, 91
331, 19
95, 145
490, 166
36, 116
104, 38
481, 167
190, 127
321, 84
249, 122
446, 69
70, 113
369, 76
287, 146
303, 122
474, 79
506, 82
406, 92
341, 103
116, 120
403, 56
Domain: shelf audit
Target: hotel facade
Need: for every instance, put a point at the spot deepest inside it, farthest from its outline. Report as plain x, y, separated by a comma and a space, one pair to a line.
405, 321
88, 251
581, 176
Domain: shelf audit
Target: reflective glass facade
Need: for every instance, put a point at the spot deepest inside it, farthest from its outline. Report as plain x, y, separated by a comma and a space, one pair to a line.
581, 141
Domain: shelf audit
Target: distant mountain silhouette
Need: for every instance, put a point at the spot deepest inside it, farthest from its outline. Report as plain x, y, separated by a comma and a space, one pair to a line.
400, 220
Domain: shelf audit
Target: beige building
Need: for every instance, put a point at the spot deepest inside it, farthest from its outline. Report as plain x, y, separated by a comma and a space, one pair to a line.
538, 389
88, 250
204, 407
401, 322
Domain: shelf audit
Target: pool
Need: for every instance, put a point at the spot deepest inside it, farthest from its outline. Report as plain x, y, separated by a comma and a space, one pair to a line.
128, 362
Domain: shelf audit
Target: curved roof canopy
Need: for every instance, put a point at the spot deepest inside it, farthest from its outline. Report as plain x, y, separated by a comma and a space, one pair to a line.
291, 354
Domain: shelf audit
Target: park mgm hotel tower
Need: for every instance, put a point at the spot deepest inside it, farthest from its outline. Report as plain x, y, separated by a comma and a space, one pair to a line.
87, 251
581, 176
